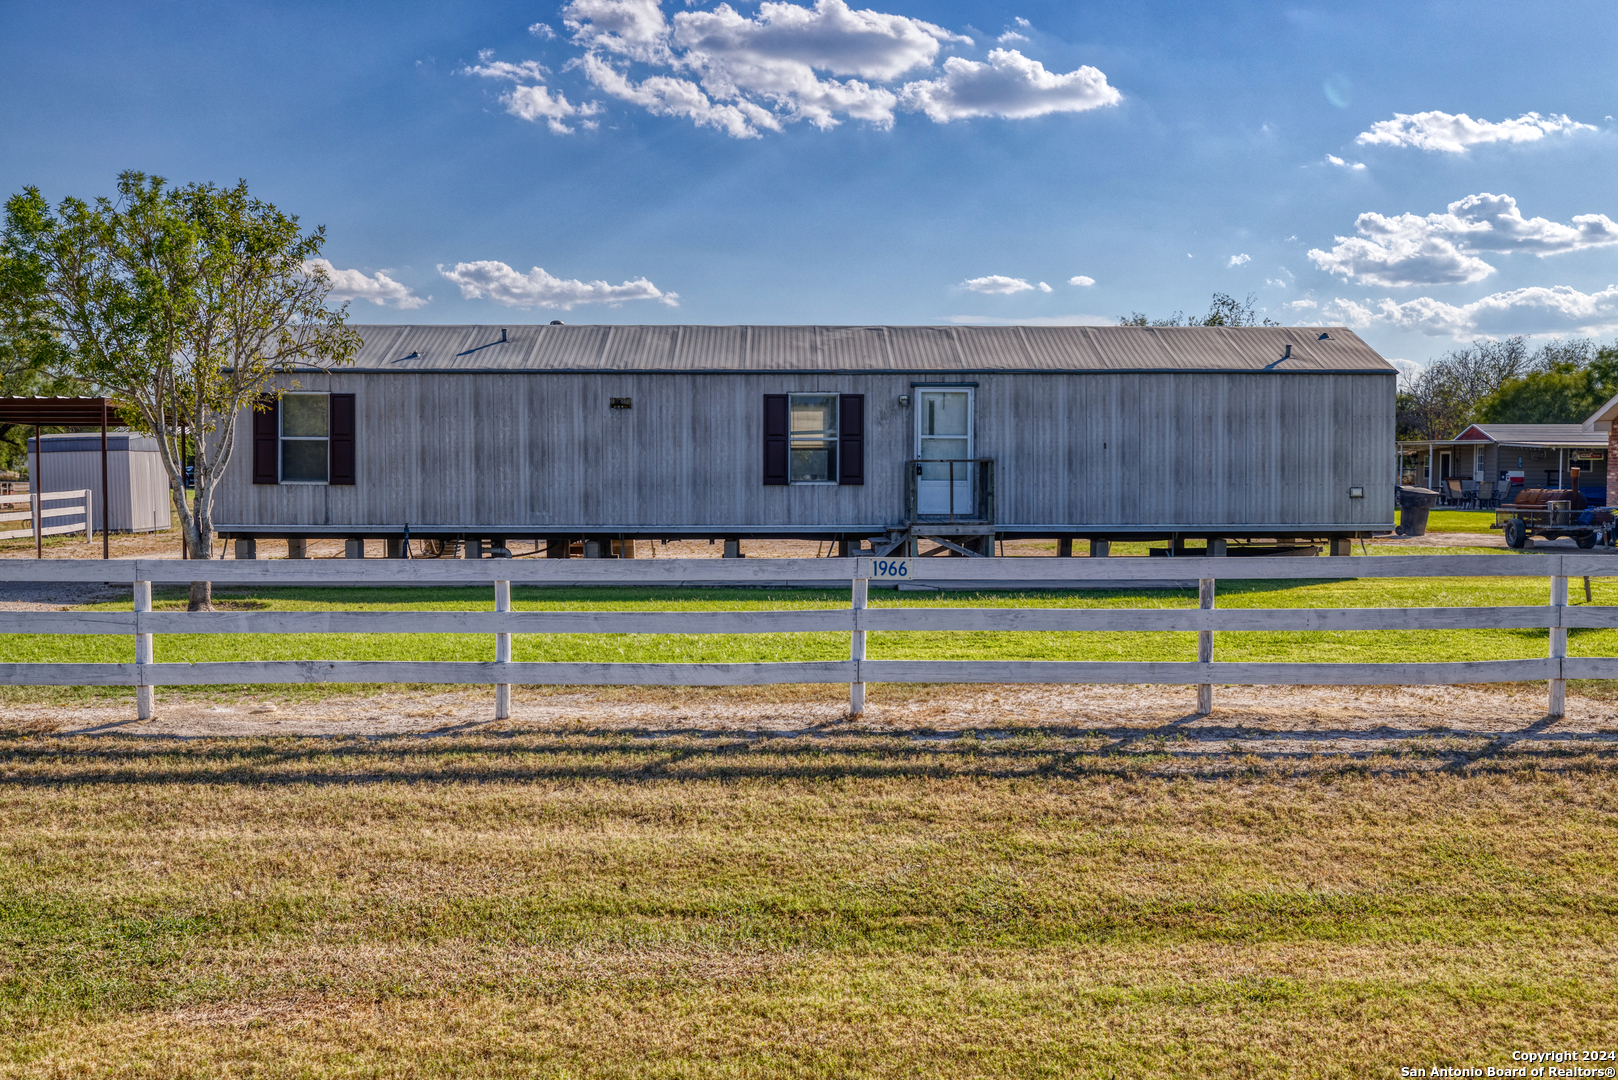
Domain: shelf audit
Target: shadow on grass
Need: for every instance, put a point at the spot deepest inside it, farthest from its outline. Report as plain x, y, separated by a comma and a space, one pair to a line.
480, 753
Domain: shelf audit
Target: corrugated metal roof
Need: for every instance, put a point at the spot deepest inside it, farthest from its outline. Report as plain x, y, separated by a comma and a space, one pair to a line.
919, 349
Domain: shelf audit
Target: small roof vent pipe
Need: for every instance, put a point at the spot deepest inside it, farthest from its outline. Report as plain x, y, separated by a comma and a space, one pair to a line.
503, 335
1285, 356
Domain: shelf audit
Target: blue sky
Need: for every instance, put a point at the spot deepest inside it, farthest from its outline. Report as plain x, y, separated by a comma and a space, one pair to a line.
1427, 173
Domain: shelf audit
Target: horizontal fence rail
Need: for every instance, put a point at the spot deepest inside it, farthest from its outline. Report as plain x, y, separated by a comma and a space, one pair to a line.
79, 506
856, 620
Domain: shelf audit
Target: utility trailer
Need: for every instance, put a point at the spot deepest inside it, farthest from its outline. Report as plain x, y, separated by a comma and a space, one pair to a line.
1554, 513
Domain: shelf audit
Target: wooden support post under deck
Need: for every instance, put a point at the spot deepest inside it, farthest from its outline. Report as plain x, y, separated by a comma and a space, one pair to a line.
1205, 601
246, 547
1558, 695
502, 652
733, 549
1100, 549
856, 648
143, 651
353, 549
1064, 548
1217, 548
298, 547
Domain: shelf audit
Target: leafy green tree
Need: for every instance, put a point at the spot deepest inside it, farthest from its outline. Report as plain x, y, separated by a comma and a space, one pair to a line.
181, 303
1563, 392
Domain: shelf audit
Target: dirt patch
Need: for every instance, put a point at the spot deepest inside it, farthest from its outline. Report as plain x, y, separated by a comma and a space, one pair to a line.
1321, 720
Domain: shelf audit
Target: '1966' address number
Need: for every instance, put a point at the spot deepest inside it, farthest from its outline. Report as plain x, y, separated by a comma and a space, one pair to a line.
890, 568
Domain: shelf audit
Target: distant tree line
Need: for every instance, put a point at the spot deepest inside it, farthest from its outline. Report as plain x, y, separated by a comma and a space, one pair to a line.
1225, 310
1505, 382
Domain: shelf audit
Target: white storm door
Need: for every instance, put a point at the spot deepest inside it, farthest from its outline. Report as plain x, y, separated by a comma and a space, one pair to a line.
944, 449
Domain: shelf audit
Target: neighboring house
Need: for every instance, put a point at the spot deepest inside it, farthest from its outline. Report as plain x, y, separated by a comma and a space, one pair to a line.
849, 434
1510, 457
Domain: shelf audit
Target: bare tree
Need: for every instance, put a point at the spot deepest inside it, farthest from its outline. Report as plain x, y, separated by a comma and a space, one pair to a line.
182, 303
1225, 310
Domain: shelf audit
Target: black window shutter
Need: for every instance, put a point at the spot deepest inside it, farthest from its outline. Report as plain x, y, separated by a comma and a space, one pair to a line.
266, 441
775, 439
342, 439
851, 439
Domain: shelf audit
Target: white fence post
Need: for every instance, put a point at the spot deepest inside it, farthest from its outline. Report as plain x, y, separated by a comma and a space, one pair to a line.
143, 651
1558, 695
1205, 602
856, 646
502, 652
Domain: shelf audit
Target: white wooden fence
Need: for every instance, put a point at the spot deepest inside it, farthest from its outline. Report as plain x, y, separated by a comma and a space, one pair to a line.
856, 620
79, 505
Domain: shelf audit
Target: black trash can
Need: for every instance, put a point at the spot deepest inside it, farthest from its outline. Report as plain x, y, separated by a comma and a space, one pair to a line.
1414, 505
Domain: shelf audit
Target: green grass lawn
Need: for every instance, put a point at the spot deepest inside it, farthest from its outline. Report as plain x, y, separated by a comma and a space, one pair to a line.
1460, 521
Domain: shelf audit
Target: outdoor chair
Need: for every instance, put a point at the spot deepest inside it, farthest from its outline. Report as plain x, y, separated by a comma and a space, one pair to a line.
1469, 493
1485, 495
1452, 489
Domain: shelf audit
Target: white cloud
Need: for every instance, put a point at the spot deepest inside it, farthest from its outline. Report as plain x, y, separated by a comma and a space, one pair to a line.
1440, 249
1456, 133
1011, 37
822, 64
1239, 260
828, 37
997, 284
662, 95
632, 28
529, 100
1536, 310
1042, 287
379, 289
498, 282
1083, 281
542, 31
1010, 86
1340, 163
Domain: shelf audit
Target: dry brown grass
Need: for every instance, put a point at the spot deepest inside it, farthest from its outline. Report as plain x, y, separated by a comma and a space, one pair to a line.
630, 898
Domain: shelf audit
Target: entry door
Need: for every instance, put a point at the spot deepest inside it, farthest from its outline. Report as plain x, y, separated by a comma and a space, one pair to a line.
944, 448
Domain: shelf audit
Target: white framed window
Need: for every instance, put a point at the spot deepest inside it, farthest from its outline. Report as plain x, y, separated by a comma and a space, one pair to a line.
305, 438
812, 439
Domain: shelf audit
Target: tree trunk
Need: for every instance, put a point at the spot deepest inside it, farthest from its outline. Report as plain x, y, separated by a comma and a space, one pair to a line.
199, 546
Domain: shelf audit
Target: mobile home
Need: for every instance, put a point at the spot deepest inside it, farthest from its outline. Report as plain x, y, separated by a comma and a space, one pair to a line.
868, 435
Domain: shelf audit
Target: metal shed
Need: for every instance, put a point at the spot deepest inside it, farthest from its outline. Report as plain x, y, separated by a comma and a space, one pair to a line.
139, 486
858, 433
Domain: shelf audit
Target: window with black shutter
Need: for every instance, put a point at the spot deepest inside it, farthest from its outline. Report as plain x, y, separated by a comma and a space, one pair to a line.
266, 441
851, 439
775, 439
342, 439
